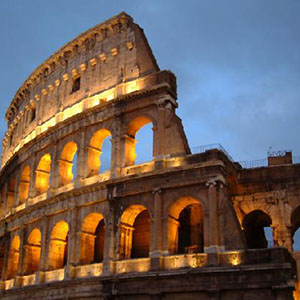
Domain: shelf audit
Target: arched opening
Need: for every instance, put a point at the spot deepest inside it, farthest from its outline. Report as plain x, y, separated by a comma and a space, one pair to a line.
146, 141
100, 145
58, 252
295, 231
66, 163
43, 174
254, 225
144, 144
32, 252
10, 197
24, 184
13, 258
134, 232
185, 226
92, 239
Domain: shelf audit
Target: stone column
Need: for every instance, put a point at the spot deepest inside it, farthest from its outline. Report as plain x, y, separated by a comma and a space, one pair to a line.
54, 171
45, 244
117, 148
109, 244
166, 106
71, 261
159, 137
18, 280
81, 160
16, 190
157, 232
213, 195
32, 190
282, 236
156, 250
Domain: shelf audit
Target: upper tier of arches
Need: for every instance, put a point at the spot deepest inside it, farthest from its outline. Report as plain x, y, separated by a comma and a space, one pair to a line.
99, 65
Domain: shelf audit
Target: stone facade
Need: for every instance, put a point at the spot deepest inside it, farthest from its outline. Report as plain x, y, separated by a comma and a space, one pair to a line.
182, 226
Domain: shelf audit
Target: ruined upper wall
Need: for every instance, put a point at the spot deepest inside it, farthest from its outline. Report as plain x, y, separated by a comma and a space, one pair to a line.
103, 61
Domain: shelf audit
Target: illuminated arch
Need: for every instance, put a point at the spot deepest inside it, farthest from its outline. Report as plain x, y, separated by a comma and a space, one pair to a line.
253, 225
185, 226
58, 250
92, 239
66, 163
24, 184
43, 174
133, 127
134, 232
94, 150
13, 258
32, 252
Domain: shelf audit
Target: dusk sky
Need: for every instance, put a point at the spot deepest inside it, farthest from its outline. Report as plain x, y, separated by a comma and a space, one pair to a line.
237, 62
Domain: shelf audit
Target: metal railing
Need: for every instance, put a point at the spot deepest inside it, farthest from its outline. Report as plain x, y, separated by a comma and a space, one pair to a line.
249, 164
204, 148
259, 163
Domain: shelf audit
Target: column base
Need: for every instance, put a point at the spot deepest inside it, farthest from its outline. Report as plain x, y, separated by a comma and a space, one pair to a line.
214, 249
108, 268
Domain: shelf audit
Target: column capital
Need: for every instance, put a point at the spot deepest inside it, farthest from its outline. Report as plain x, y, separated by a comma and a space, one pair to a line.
165, 100
215, 181
157, 190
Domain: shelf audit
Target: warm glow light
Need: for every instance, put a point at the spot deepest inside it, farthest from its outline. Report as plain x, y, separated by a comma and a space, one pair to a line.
133, 265
89, 270
184, 261
71, 111
235, 259
9, 284
132, 86
56, 275
28, 280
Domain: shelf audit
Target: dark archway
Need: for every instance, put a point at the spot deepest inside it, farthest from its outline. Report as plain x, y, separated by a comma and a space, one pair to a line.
254, 224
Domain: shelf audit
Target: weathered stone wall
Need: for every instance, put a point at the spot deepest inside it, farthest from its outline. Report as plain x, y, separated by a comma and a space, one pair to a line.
166, 229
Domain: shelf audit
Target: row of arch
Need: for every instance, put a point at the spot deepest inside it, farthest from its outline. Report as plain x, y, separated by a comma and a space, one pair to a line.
97, 158
257, 226
185, 234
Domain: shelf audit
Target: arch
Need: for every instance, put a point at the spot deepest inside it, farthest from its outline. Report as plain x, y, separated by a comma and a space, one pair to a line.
43, 174
134, 232
186, 226
92, 238
32, 252
295, 231
58, 249
253, 225
24, 184
13, 258
66, 163
130, 140
95, 150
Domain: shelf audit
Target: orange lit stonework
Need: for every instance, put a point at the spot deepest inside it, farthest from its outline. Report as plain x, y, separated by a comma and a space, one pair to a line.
180, 226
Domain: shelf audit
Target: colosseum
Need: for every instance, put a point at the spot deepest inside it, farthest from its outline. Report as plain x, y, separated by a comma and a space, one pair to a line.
181, 226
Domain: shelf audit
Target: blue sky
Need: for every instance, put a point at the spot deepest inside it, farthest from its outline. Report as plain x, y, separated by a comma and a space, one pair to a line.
237, 62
